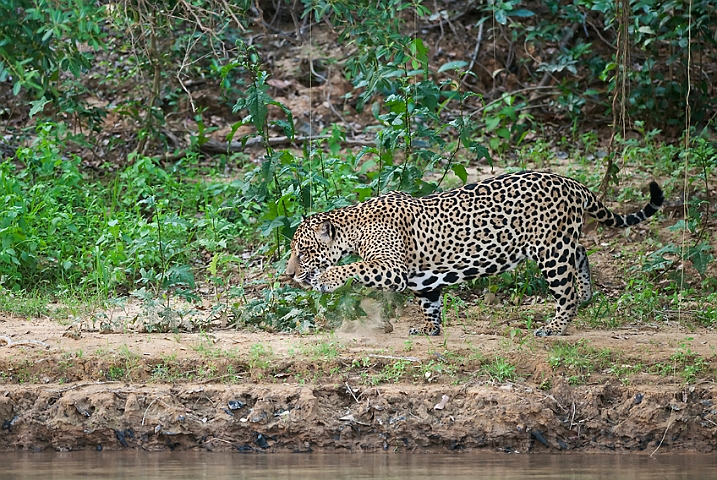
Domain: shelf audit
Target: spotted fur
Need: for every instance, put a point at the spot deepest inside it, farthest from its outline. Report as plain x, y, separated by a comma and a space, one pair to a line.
481, 229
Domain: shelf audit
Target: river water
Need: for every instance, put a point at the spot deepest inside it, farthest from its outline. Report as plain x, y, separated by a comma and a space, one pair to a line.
201, 465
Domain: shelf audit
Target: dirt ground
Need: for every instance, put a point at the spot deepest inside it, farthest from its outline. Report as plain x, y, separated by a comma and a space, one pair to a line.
332, 392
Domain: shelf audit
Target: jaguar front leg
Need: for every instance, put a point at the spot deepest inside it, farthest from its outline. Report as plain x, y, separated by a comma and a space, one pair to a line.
431, 306
372, 273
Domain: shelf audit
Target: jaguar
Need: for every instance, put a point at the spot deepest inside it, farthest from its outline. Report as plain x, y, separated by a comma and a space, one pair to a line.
480, 229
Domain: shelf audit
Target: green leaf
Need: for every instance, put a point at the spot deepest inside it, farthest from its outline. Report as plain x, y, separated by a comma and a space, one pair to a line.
494, 143
454, 65
481, 152
701, 257
521, 13
460, 172
38, 105
491, 123
267, 228
256, 101
701, 261
678, 226
367, 165
47, 35
428, 95
288, 124
214, 265
503, 133
180, 275
420, 51
257, 109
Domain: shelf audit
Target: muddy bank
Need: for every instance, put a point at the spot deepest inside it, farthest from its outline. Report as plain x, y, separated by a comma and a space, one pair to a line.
623, 390
296, 418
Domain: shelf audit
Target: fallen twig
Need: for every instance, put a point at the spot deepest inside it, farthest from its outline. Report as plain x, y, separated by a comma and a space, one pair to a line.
669, 422
514, 92
215, 147
479, 40
446, 20
14, 343
351, 391
214, 379
391, 357
563, 43
80, 385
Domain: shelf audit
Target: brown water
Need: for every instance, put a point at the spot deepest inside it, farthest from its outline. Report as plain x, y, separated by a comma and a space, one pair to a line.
200, 465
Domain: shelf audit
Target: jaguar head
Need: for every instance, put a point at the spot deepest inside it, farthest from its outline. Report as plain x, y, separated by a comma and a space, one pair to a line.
313, 250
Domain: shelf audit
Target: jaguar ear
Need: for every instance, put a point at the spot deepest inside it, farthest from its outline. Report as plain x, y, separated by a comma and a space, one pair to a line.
326, 231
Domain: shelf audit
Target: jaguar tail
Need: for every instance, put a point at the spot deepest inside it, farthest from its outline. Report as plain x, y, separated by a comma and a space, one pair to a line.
602, 214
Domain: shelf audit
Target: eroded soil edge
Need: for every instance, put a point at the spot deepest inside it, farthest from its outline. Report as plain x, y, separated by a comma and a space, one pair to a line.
296, 418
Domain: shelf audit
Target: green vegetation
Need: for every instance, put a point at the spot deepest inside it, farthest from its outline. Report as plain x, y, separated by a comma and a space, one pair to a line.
499, 370
33, 305
205, 346
260, 357
113, 185
390, 373
577, 360
684, 363
326, 350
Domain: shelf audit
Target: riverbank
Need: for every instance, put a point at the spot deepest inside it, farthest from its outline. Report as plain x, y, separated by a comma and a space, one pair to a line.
358, 390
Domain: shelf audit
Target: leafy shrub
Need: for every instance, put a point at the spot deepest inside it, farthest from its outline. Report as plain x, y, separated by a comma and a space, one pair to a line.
40, 231
60, 230
40, 39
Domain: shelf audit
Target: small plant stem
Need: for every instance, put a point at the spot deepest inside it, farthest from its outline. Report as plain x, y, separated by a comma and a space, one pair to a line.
161, 250
407, 128
154, 92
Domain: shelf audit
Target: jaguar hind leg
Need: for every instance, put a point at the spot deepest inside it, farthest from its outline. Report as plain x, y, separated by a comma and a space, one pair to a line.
431, 306
561, 281
584, 285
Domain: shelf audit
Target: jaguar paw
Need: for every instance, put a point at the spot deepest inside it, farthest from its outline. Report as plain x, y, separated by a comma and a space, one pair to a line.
429, 329
546, 331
